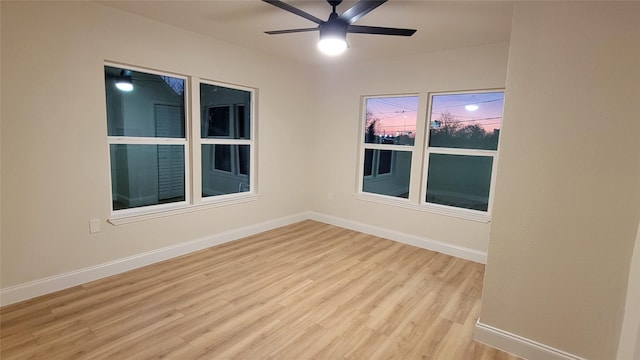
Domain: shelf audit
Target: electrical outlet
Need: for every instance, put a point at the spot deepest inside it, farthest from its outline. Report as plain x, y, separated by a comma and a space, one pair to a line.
330, 196
94, 226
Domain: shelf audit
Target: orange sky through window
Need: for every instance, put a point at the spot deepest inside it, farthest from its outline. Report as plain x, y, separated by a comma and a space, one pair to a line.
397, 115
488, 114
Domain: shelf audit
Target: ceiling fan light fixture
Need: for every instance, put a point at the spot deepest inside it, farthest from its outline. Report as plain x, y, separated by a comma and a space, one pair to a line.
333, 31
124, 82
332, 46
333, 37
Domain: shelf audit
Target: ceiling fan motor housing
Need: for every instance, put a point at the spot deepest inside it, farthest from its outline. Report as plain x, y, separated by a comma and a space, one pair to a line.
337, 26
334, 28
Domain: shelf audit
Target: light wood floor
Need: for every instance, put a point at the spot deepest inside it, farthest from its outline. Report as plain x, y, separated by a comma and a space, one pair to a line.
305, 291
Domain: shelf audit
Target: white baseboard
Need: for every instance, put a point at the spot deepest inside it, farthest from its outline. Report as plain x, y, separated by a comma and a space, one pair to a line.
51, 284
518, 345
434, 245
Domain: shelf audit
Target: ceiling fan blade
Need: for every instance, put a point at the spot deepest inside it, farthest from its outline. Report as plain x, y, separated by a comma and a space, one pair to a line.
294, 10
360, 9
376, 30
290, 31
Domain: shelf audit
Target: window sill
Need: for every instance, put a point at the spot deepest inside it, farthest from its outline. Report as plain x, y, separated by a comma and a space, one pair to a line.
465, 214
183, 209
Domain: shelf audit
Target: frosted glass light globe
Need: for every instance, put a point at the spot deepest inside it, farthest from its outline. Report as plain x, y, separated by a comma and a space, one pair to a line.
332, 46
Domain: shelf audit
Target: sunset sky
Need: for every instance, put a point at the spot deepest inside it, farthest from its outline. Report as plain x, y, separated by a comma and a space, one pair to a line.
398, 115
488, 113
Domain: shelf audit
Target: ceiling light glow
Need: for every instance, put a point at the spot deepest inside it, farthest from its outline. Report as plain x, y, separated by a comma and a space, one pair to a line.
333, 36
332, 46
471, 107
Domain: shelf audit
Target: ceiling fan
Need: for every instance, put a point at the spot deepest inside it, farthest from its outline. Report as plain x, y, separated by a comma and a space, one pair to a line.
333, 32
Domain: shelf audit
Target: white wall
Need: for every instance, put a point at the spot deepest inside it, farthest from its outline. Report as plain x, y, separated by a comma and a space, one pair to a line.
55, 164
567, 203
334, 162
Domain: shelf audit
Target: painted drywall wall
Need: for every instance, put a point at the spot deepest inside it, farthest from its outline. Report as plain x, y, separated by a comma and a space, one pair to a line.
55, 164
335, 148
568, 190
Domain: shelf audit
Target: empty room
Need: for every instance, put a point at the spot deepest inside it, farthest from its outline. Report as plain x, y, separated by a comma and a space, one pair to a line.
312, 179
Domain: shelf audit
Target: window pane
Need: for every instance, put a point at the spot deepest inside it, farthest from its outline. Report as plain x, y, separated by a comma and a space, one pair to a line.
243, 159
241, 121
391, 176
384, 162
218, 121
222, 157
368, 162
143, 175
153, 108
225, 169
459, 180
225, 112
391, 120
470, 121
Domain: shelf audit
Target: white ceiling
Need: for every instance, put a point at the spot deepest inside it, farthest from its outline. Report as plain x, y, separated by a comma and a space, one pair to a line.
441, 25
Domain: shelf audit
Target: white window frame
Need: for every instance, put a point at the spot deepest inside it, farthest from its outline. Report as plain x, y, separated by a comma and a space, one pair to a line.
363, 146
235, 156
192, 145
484, 216
420, 162
148, 140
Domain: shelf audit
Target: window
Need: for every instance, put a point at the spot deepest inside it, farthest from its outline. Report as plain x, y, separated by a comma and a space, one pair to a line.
387, 144
150, 143
459, 152
226, 139
462, 147
147, 143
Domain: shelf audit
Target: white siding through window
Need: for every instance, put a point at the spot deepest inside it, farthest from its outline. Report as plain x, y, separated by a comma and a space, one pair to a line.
170, 166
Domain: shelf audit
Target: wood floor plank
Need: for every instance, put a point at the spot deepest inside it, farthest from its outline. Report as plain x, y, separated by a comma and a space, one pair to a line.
304, 291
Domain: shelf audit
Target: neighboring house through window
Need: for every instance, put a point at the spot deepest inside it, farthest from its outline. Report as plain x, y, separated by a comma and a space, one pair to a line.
150, 146
226, 139
147, 142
